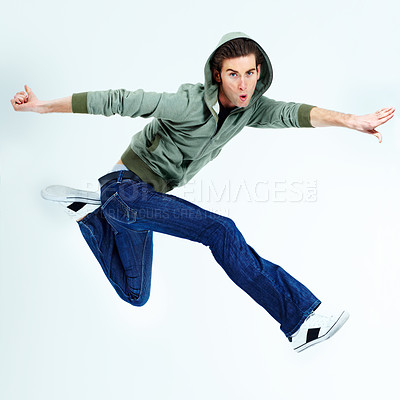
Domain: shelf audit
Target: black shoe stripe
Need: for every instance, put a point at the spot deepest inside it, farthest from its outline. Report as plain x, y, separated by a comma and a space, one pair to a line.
312, 334
76, 206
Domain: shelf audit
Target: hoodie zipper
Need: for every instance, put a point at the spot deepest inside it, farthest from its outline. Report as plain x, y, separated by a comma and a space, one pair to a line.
212, 138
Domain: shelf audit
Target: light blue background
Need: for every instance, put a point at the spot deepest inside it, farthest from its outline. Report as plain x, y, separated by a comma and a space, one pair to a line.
64, 332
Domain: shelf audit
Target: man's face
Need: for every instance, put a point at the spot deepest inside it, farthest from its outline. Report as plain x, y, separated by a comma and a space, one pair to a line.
238, 80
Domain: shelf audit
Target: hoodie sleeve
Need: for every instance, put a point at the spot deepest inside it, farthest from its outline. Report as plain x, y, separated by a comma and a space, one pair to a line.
171, 106
270, 113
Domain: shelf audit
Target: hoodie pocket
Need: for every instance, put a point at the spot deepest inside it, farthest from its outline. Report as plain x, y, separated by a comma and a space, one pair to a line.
155, 143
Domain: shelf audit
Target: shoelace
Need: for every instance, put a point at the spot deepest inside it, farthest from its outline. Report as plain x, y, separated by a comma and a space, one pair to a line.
312, 314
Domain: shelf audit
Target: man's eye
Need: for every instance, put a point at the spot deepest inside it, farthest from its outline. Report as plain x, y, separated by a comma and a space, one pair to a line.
232, 74
250, 73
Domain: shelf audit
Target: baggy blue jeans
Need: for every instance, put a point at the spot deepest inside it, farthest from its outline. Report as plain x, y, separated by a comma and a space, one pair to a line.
120, 235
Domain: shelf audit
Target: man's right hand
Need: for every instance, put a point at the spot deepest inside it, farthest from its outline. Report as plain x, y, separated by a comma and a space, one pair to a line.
26, 101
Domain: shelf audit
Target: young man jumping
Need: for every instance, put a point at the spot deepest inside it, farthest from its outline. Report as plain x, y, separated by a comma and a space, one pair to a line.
188, 130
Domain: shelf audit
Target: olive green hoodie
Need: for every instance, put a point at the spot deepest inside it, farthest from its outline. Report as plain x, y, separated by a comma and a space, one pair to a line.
182, 137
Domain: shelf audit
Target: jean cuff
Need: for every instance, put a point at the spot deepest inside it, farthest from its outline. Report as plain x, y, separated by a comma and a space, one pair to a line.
303, 318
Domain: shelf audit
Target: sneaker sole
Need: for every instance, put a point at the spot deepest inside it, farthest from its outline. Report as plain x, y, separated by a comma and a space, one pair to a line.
335, 327
65, 194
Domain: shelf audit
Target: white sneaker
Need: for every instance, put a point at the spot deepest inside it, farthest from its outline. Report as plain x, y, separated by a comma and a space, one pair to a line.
66, 194
77, 203
316, 328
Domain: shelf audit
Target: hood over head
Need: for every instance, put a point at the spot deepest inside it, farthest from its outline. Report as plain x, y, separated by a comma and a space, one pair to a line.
211, 88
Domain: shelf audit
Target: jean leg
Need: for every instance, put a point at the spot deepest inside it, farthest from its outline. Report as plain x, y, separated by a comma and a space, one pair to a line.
282, 296
130, 276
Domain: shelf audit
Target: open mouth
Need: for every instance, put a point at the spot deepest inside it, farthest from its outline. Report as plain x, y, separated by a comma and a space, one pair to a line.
243, 97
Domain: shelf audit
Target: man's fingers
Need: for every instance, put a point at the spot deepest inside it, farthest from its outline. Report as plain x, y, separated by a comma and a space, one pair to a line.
23, 97
389, 117
385, 118
20, 95
385, 111
20, 99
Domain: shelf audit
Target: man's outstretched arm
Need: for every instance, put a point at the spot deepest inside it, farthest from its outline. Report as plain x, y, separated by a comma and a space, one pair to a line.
138, 103
368, 123
29, 102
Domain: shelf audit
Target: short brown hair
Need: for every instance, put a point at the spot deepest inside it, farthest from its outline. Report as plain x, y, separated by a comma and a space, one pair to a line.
235, 48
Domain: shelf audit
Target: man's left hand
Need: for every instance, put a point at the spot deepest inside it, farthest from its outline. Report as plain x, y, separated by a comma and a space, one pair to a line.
367, 123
